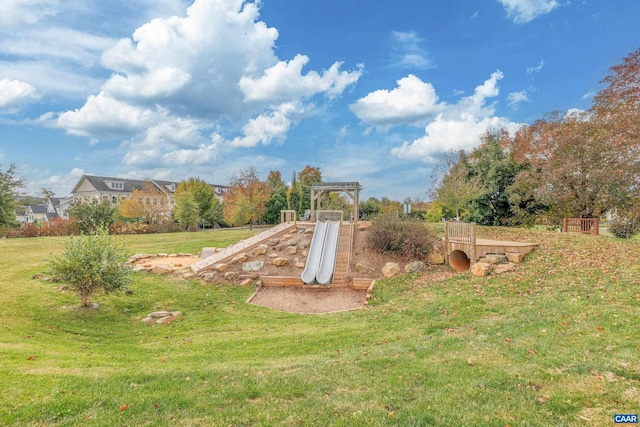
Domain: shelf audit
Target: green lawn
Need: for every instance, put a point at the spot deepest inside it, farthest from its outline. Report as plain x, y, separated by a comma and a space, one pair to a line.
555, 343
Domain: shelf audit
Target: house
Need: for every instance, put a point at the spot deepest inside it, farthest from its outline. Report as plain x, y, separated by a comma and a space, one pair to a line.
115, 189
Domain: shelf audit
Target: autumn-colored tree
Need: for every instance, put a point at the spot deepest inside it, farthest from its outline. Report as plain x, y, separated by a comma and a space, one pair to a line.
148, 202
571, 168
309, 175
246, 199
616, 112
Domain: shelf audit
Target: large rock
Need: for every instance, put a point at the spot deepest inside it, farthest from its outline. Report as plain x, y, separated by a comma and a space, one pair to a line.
391, 269
240, 258
253, 266
300, 264
291, 250
516, 257
481, 269
162, 269
274, 241
503, 268
280, 262
231, 276
495, 259
219, 267
363, 268
260, 249
415, 266
435, 258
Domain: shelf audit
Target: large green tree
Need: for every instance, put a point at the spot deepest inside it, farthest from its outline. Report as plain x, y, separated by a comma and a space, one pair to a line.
203, 194
186, 210
9, 184
493, 170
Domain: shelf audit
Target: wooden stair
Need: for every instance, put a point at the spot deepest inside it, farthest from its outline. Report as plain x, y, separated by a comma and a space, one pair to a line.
341, 269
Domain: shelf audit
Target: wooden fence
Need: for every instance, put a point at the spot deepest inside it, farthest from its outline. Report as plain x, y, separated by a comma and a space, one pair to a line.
581, 225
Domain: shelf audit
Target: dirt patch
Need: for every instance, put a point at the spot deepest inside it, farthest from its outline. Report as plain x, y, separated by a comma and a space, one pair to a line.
177, 262
309, 301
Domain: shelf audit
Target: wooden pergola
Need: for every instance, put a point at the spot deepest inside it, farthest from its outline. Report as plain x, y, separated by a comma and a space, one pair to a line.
320, 189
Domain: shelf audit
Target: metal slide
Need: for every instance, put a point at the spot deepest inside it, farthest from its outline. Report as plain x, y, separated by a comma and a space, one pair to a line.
328, 261
315, 253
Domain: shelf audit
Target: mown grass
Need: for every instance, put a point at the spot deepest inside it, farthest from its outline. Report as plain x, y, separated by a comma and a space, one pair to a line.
554, 343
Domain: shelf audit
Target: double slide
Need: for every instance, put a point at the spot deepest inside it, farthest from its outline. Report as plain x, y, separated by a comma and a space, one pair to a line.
322, 253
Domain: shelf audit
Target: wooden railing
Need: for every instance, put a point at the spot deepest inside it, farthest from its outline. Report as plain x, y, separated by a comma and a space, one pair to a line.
288, 216
581, 225
460, 232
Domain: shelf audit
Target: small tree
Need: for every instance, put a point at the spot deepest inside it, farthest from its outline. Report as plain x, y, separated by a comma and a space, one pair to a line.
9, 183
92, 263
186, 210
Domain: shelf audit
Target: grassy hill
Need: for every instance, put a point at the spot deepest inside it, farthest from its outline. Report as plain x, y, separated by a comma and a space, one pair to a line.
556, 342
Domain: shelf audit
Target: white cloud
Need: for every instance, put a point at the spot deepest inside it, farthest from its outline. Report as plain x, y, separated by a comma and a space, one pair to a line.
102, 116
408, 52
459, 126
523, 11
516, 98
179, 77
15, 93
413, 101
14, 13
285, 81
536, 69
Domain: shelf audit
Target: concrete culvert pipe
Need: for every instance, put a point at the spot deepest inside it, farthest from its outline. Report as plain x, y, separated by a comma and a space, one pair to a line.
459, 260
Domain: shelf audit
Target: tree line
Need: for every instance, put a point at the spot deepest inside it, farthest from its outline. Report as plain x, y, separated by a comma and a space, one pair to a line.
567, 164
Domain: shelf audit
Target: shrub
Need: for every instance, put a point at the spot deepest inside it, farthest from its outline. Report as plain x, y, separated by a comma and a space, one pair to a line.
407, 238
92, 263
625, 227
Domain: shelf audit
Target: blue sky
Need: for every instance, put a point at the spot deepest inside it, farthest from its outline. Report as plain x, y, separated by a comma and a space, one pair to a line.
367, 91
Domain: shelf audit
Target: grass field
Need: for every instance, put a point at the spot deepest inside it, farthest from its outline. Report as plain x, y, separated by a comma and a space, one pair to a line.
555, 343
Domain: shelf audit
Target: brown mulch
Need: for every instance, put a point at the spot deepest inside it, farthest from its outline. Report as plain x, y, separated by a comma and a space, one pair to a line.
309, 301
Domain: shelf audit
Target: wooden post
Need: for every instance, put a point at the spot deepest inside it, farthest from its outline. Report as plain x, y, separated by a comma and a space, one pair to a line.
472, 238
446, 242
596, 226
564, 225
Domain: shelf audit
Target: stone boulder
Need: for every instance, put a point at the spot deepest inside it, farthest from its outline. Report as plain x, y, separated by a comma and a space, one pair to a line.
363, 268
495, 259
162, 269
253, 266
273, 242
515, 257
503, 268
291, 250
435, 258
240, 258
415, 266
280, 262
481, 269
260, 249
219, 267
391, 269
231, 276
